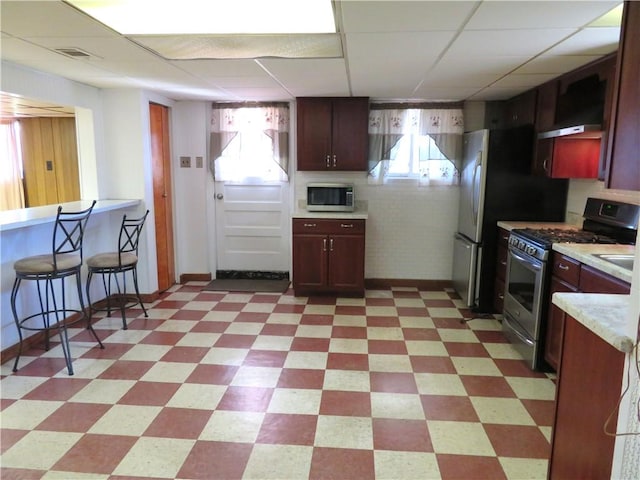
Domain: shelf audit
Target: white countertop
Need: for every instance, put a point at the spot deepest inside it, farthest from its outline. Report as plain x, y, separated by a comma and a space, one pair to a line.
355, 215
585, 253
604, 314
26, 217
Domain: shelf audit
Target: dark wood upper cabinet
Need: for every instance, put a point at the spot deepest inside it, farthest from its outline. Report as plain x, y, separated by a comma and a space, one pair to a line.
623, 153
546, 105
332, 133
521, 109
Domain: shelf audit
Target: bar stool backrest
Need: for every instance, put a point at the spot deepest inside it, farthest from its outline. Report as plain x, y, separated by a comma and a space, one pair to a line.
68, 232
129, 238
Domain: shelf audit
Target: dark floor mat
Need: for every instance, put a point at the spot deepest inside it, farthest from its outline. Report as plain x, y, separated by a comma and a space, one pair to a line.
247, 285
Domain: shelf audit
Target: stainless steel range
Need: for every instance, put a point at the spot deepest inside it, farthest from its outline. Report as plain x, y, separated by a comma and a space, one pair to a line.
527, 280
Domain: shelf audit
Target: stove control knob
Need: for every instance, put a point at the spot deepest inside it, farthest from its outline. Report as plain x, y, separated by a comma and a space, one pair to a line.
531, 250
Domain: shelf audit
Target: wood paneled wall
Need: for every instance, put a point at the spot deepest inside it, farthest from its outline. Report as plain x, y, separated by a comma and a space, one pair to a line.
50, 160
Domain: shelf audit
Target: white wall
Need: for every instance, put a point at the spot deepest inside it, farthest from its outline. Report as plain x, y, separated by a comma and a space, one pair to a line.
194, 205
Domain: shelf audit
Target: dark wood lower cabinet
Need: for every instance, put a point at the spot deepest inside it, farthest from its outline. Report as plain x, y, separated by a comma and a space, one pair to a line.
589, 384
328, 256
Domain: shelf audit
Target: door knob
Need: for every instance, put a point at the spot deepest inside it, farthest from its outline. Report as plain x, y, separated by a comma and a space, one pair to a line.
219, 196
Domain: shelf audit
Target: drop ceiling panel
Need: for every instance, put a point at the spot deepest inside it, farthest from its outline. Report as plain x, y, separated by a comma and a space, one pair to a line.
114, 48
507, 42
404, 16
398, 59
555, 64
322, 77
480, 65
450, 93
523, 81
537, 14
590, 41
48, 19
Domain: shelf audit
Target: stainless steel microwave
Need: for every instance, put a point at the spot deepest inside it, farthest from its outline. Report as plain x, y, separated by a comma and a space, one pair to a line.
330, 197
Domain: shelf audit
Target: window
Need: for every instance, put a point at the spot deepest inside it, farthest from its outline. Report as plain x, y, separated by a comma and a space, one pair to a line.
418, 157
417, 145
250, 144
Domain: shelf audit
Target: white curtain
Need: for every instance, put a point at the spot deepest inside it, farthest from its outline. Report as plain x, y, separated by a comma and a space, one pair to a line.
249, 142
12, 195
437, 141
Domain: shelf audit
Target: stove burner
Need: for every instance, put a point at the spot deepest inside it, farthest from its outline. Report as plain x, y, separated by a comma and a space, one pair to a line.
559, 235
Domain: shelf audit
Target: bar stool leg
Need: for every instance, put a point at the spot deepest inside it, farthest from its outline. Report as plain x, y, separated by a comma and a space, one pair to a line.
135, 284
84, 310
14, 294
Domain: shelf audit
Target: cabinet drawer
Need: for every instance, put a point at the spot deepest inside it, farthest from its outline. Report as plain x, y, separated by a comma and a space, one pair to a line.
567, 269
328, 226
595, 281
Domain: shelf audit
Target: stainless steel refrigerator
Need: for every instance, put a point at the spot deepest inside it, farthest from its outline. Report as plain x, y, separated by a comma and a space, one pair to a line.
496, 184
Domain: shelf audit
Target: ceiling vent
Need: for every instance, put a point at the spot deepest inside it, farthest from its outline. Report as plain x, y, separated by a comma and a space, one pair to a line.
73, 52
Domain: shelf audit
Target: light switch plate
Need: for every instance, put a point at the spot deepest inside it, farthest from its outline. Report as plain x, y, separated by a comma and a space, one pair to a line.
199, 162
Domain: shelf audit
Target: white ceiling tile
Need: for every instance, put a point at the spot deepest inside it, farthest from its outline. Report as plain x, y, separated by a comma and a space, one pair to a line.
536, 14
404, 16
308, 77
523, 81
555, 64
507, 42
590, 41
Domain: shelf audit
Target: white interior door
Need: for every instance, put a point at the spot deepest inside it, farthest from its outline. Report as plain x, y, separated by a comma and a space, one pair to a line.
252, 227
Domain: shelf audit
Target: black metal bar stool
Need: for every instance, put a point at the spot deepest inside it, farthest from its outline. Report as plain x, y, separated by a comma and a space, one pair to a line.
110, 264
64, 261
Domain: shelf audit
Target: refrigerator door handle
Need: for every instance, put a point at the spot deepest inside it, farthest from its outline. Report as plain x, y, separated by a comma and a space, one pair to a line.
457, 236
475, 190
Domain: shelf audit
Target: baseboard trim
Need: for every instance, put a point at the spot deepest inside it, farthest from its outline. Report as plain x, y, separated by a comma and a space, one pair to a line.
373, 283
195, 277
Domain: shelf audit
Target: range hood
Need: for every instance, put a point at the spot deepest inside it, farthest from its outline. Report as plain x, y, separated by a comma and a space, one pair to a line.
589, 130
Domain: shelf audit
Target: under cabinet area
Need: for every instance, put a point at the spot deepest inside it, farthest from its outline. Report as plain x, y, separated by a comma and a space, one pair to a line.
328, 256
332, 133
570, 275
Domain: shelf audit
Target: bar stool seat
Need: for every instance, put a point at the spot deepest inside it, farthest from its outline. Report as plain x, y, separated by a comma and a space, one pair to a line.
111, 264
64, 261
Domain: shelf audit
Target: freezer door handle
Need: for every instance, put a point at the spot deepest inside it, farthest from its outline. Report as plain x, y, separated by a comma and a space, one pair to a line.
465, 241
475, 190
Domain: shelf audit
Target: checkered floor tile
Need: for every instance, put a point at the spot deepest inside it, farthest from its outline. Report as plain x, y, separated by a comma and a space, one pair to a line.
261, 386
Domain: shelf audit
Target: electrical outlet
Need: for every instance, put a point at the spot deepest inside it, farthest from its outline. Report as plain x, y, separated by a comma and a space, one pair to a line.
185, 162
198, 162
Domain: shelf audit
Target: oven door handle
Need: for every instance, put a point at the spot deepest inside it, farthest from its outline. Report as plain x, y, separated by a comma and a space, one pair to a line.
516, 332
535, 265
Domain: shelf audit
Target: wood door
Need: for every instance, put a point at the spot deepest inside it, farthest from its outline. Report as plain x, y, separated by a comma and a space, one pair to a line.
50, 160
313, 133
350, 133
588, 388
309, 261
624, 141
346, 262
162, 194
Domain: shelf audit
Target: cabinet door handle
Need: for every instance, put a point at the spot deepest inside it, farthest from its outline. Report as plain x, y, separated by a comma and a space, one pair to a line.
309, 225
324, 244
562, 266
330, 245
503, 263
346, 225
328, 161
501, 296
334, 161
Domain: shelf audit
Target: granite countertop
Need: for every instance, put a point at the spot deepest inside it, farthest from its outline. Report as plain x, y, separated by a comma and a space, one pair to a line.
510, 225
585, 253
358, 214
604, 314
